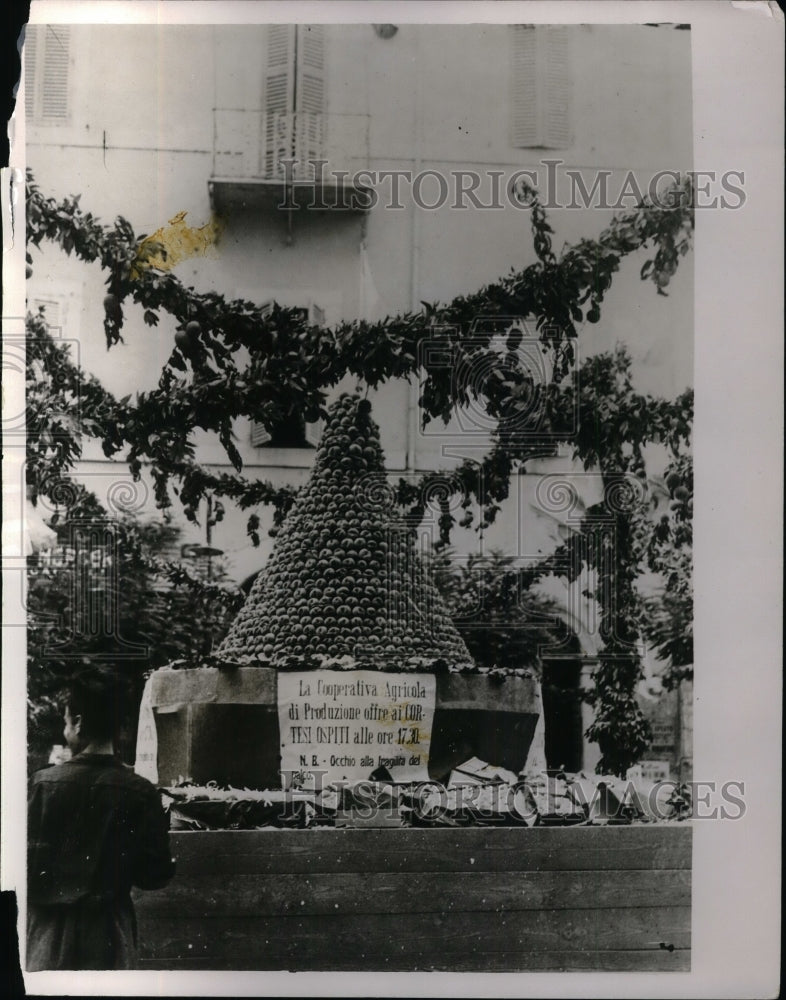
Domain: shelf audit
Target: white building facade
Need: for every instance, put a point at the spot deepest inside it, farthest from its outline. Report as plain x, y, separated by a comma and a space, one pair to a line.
149, 122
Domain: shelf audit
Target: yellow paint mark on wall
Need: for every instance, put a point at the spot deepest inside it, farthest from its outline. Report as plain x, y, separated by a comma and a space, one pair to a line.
169, 246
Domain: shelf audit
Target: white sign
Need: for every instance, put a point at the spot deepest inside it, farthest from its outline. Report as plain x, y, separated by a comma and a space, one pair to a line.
345, 724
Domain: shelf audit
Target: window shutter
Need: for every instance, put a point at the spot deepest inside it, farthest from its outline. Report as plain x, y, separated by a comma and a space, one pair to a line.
541, 92
557, 88
259, 435
524, 105
31, 57
279, 97
314, 432
47, 64
310, 93
311, 68
54, 98
279, 76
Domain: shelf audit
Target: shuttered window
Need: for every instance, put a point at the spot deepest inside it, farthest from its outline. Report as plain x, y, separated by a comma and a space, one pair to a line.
310, 92
294, 97
279, 96
292, 433
47, 56
31, 59
541, 89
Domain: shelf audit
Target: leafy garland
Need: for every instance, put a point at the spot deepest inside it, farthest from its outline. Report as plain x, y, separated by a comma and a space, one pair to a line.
287, 364
291, 362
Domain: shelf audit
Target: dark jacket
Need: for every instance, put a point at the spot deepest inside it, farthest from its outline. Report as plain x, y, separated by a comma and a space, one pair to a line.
95, 828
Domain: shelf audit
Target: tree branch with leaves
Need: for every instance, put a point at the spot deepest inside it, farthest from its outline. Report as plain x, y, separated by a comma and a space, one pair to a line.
233, 359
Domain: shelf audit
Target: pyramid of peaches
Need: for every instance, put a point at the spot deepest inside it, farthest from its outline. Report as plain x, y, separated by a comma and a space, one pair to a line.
344, 580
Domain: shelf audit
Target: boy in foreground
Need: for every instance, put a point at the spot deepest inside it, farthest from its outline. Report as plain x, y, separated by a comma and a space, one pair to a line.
95, 829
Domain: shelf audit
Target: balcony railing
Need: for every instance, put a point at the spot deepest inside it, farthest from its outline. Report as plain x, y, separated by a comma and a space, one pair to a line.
263, 149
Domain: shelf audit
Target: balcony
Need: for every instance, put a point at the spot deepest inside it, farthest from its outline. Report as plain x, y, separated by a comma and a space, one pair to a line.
288, 161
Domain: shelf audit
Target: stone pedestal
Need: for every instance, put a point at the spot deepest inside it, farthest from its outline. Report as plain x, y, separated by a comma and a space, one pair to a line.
222, 725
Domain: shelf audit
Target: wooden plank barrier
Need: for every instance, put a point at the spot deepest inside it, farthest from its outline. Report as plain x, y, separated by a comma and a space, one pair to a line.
471, 899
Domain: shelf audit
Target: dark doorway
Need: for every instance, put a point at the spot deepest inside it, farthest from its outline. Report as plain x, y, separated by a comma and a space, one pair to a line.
560, 686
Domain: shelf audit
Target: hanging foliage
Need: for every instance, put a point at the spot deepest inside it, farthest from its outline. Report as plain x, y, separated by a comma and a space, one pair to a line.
291, 363
667, 621
232, 359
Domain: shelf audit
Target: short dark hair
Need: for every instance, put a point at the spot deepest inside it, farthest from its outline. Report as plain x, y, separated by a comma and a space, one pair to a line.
95, 693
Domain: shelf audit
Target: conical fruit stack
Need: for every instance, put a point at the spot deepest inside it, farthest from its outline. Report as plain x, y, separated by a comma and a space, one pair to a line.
344, 578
